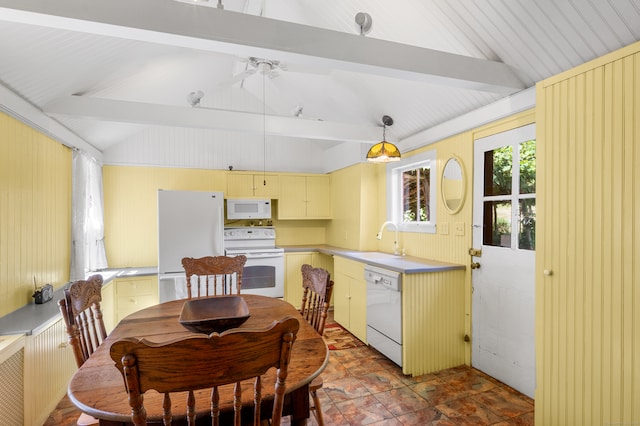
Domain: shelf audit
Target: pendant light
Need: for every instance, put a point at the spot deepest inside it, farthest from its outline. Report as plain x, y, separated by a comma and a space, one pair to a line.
384, 151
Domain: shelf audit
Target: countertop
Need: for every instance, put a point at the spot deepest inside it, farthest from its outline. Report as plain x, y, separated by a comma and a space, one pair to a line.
402, 264
32, 318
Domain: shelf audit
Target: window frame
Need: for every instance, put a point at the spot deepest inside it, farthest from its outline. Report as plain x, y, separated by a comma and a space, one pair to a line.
394, 191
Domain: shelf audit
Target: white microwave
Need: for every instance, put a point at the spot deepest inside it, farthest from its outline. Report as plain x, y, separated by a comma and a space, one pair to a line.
248, 209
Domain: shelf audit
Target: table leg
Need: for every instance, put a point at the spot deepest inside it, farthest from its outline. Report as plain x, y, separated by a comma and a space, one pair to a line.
300, 406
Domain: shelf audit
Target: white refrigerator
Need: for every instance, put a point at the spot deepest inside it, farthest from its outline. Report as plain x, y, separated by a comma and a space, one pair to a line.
190, 224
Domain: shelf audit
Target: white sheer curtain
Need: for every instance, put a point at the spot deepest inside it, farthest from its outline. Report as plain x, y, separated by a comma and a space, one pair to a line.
87, 226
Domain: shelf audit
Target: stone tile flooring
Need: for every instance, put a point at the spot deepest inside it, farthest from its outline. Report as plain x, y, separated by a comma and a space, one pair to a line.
362, 387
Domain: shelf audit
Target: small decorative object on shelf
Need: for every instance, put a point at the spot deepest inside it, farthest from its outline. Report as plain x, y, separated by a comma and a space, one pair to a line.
42, 294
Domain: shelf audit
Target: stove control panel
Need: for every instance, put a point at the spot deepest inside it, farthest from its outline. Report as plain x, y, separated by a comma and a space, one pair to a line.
249, 233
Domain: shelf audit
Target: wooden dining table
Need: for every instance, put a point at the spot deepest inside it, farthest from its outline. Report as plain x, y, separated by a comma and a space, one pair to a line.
97, 388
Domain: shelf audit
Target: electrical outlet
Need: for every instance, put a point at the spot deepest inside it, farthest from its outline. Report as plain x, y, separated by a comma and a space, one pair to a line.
459, 229
444, 228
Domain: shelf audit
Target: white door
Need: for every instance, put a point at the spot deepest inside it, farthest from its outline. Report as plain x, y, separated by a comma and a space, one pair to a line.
504, 214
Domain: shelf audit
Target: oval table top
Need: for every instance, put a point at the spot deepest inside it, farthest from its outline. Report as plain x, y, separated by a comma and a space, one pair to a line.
97, 388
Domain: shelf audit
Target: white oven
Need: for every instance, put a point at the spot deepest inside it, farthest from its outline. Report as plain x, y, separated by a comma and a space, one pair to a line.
263, 273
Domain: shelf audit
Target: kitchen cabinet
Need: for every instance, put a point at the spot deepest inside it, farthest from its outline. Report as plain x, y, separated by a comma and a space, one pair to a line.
133, 294
350, 296
252, 185
305, 197
48, 366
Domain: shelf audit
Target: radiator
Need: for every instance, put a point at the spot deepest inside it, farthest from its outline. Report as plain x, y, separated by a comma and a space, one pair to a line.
12, 390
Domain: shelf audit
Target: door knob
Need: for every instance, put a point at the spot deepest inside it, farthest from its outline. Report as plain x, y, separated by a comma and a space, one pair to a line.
475, 265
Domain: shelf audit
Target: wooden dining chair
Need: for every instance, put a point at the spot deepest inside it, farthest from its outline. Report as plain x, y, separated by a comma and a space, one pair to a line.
212, 272
316, 296
186, 365
82, 316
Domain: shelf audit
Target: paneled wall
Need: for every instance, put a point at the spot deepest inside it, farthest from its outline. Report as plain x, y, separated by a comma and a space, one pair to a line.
35, 212
587, 275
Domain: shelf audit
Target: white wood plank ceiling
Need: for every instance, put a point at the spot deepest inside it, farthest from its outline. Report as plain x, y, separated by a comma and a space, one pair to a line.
111, 70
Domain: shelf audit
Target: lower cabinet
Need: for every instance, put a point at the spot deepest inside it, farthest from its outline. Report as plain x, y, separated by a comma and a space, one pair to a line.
350, 296
134, 293
48, 367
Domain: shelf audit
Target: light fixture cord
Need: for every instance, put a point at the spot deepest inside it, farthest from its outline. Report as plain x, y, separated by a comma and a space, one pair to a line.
264, 131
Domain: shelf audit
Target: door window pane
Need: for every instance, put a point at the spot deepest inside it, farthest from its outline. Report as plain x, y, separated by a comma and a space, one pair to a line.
497, 166
527, 228
497, 223
528, 167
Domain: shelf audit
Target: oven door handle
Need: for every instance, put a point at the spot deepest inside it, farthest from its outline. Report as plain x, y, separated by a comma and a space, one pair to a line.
263, 255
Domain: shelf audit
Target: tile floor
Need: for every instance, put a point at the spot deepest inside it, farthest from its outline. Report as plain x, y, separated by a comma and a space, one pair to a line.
362, 387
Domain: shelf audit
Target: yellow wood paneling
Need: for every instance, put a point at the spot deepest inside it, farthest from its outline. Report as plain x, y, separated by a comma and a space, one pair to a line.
131, 212
35, 212
345, 228
433, 322
588, 302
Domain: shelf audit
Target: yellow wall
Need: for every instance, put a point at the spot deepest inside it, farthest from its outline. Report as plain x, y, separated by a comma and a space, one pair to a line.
588, 307
35, 212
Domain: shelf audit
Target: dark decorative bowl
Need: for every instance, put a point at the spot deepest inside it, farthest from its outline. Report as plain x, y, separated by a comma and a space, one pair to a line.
214, 314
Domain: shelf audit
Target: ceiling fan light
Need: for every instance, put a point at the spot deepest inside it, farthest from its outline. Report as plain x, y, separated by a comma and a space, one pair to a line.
383, 152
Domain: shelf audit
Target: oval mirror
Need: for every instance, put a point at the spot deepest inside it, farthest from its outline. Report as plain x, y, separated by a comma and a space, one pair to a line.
453, 185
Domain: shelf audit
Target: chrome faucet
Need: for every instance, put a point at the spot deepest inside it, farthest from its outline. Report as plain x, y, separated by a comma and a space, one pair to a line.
395, 243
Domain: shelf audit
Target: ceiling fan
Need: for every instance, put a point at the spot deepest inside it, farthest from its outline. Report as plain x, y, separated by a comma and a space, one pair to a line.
270, 68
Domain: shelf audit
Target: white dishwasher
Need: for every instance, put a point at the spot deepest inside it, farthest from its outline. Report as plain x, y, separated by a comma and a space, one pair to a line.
384, 311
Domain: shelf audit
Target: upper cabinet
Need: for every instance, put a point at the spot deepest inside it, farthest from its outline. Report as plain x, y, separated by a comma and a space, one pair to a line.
304, 197
252, 185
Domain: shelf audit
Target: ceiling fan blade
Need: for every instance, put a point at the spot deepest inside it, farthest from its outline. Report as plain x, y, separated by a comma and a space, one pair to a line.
305, 69
237, 78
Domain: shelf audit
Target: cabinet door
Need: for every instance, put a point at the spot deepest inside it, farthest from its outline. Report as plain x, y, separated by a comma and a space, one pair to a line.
239, 185
341, 310
252, 185
48, 366
293, 277
133, 294
318, 197
358, 307
270, 190
292, 202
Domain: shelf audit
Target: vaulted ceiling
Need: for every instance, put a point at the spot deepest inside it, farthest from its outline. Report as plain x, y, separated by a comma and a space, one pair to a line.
109, 69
